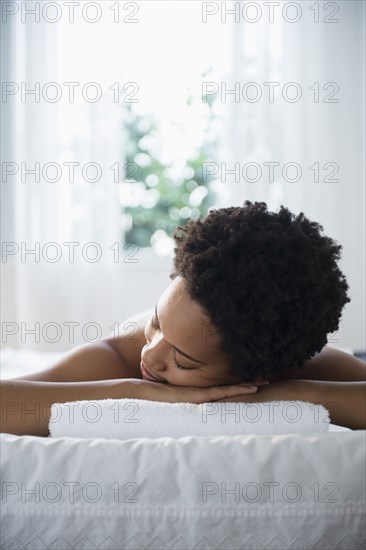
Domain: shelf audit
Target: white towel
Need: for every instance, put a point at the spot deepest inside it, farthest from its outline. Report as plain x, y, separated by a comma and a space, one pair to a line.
132, 418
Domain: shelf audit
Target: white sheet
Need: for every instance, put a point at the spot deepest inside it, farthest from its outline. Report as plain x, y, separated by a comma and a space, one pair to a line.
20, 362
265, 492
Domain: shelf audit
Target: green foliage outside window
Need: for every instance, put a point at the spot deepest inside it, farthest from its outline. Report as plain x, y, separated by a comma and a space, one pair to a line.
156, 196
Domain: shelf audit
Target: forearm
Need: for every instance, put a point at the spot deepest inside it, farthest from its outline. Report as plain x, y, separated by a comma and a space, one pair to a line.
26, 405
345, 401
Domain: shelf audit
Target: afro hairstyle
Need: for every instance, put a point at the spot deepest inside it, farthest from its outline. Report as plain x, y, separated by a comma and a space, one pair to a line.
268, 282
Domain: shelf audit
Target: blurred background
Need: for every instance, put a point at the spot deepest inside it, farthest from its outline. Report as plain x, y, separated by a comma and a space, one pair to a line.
122, 120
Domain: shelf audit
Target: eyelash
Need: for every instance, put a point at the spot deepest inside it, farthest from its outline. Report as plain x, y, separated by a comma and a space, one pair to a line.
180, 366
155, 325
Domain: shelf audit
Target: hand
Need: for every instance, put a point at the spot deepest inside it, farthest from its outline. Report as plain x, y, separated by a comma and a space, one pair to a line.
283, 390
168, 393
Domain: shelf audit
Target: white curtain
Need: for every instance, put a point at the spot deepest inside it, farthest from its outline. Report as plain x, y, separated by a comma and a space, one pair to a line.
328, 136
169, 39
64, 302
165, 61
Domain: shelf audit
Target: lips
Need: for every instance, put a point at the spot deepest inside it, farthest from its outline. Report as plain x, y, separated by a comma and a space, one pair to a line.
146, 374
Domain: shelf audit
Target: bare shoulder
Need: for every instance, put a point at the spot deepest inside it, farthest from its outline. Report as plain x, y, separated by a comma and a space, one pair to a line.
330, 364
129, 340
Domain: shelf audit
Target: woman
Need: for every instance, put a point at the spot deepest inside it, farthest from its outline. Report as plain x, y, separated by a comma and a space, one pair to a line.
253, 296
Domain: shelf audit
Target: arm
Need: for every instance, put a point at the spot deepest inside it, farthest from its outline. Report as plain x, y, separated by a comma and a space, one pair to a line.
330, 364
345, 401
26, 405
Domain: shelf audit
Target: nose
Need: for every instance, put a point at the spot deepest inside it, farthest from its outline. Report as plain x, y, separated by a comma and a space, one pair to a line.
155, 354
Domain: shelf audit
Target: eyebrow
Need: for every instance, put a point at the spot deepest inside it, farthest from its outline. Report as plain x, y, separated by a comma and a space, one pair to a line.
176, 349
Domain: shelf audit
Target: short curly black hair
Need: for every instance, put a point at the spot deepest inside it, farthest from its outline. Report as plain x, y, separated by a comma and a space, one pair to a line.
269, 282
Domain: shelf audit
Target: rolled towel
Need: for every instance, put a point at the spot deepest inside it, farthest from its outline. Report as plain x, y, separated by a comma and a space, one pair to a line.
133, 418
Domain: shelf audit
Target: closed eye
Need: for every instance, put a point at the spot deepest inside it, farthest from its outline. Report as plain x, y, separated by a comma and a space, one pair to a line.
155, 325
181, 366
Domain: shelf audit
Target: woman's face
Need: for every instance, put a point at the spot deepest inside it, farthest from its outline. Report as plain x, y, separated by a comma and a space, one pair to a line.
181, 346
